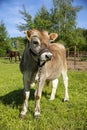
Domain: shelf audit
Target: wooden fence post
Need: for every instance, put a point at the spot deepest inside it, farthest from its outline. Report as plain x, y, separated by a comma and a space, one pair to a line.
67, 53
75, 57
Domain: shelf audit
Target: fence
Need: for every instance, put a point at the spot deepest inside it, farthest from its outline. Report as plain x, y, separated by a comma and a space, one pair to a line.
77, 59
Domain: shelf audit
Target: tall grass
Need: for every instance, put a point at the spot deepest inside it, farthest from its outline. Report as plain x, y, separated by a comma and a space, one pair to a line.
55, 115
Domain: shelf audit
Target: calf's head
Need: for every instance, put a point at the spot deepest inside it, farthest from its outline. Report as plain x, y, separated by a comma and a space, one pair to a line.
39, 42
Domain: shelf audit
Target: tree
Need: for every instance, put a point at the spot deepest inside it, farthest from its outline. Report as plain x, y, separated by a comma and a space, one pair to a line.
85, 34
27, 19
81, 39
64, 17
20, 43
4, 39
60, 19
42, 19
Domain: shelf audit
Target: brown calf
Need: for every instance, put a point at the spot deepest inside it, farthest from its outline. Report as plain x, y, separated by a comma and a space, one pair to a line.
49, 60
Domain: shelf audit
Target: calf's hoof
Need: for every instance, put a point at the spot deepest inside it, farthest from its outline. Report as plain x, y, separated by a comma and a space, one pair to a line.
37, 114
21, 116
66, 100
51, 99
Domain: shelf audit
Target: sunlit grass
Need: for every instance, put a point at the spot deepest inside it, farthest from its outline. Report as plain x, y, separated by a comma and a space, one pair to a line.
55, 115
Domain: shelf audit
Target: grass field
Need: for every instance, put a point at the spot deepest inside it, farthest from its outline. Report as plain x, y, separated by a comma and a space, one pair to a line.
55, 115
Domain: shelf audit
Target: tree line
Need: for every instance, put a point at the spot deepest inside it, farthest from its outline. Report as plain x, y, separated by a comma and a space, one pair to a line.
61, 18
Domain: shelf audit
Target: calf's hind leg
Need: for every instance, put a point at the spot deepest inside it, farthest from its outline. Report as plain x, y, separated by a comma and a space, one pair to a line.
54, 87
65, 80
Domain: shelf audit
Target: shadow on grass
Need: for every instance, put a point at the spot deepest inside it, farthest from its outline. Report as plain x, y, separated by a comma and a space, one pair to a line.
15, 98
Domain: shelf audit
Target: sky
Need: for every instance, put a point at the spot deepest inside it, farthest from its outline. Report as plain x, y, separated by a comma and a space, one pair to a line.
10, 15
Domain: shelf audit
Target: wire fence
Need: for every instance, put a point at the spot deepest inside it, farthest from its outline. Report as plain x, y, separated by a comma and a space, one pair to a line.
76, 60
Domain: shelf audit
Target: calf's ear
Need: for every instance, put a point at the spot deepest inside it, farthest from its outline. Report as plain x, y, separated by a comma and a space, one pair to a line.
28, 33
53, 36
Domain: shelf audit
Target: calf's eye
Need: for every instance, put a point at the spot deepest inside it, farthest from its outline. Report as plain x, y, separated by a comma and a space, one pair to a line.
35, 42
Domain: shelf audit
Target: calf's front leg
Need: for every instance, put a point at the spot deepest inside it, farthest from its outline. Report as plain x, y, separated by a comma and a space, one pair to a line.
38, 94
26, 96
25, 104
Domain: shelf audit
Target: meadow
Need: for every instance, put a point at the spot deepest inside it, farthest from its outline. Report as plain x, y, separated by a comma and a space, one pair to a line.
55, 115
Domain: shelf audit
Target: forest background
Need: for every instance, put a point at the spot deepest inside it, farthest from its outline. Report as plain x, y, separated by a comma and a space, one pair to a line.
61, 19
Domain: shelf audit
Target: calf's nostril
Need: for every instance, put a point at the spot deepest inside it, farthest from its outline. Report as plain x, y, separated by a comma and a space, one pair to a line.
48, 57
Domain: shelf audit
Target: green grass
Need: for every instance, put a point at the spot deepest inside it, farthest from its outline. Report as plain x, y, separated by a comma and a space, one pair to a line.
55, 115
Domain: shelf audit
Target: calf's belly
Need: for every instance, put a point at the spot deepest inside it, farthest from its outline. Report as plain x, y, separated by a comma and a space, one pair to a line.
52, 76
